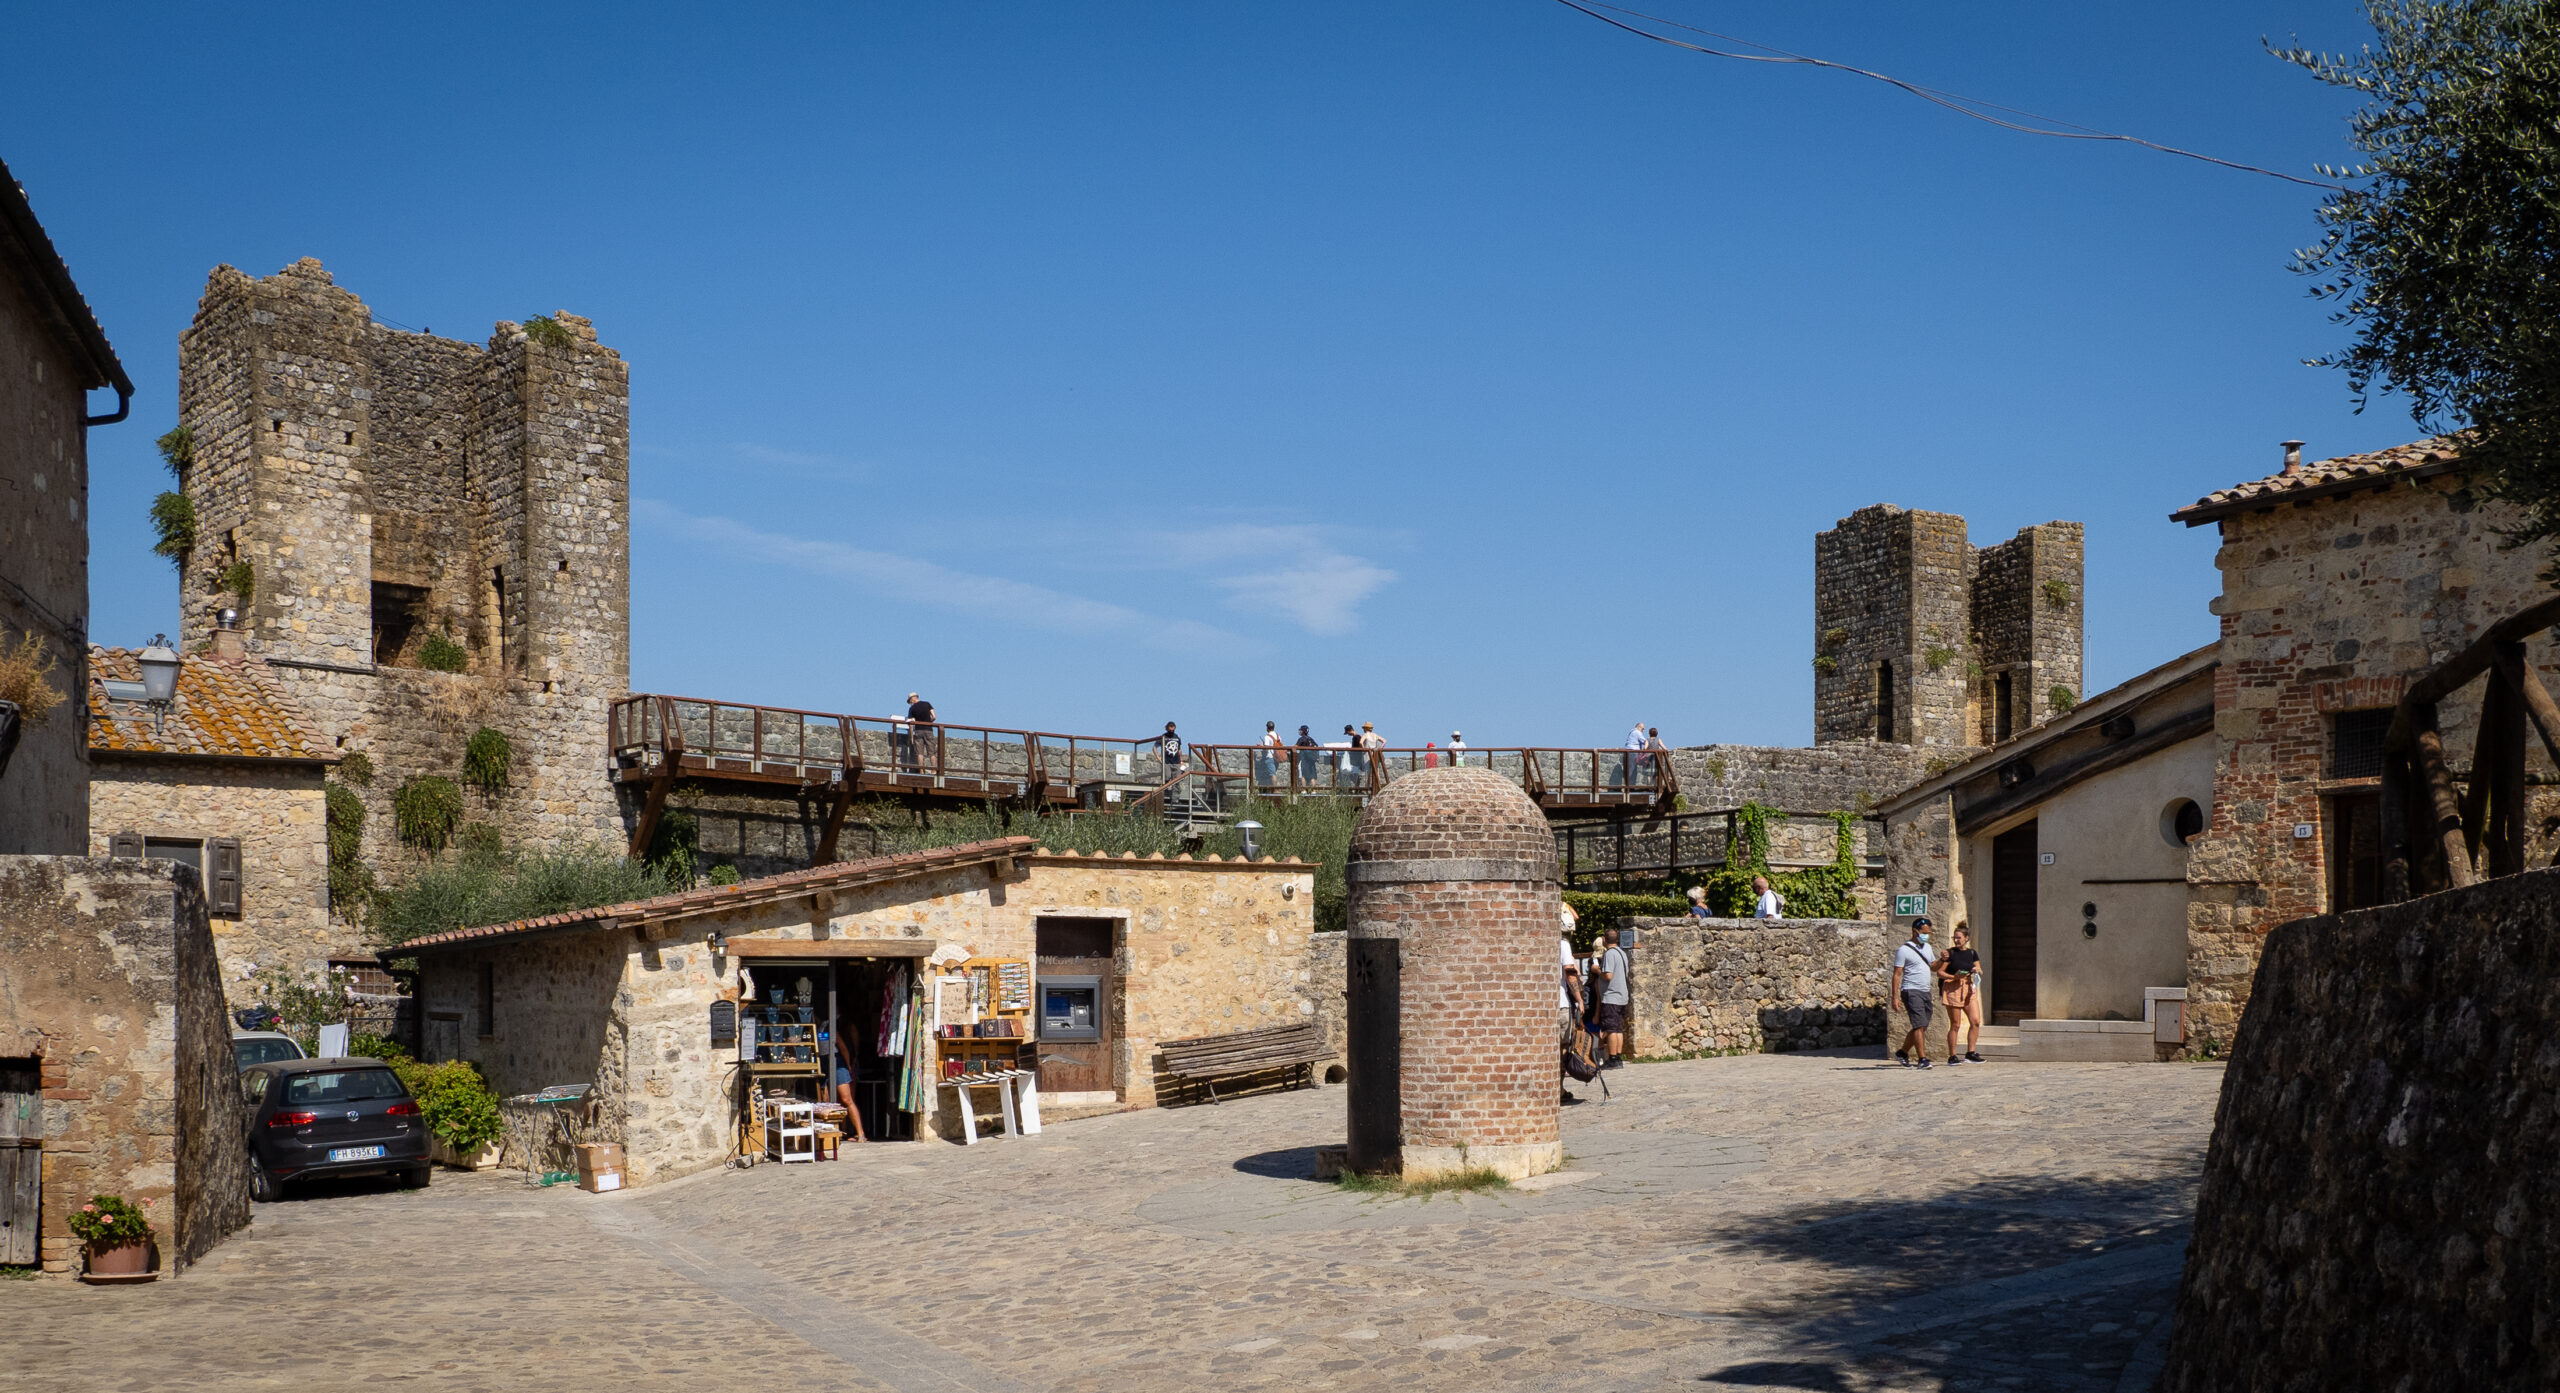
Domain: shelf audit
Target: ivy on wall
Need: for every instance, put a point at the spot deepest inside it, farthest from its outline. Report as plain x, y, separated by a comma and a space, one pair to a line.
426, 810
488, 761
439, 653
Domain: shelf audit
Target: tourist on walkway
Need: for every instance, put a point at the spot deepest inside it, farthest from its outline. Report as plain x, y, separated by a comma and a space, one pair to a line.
1960, 987
1698, 903
1654, 752
1634, 760
1169, 749
1430, 754
1266, 761
1307, 758
1457, 750
1374, 748
1348, 766
1613, 999
1764, 901
1568, 994
919, 733
1915, 962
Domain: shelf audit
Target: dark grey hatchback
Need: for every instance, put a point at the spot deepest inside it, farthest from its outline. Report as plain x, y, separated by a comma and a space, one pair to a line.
312, 1117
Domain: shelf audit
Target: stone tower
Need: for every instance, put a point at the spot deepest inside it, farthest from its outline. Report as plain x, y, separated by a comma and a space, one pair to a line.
391, 493
1920, 639
1450, 969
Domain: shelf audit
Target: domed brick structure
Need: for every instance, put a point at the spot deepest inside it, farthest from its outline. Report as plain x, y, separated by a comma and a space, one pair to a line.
1452, 979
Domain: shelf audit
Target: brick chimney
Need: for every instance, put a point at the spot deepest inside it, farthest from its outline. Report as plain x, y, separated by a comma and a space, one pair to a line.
229, 644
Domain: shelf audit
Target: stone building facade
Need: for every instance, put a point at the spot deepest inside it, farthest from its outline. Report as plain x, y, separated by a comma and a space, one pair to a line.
621, 996
52, 354
1921, 638
2342, 581
394, 494
230, 782
110, 995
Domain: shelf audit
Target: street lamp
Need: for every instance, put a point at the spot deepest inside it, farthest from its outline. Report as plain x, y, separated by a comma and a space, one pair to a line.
1252, 839
160, 665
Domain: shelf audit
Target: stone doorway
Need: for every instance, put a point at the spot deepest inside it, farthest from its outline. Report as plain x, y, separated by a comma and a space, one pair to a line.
1078, 1007
2013, 925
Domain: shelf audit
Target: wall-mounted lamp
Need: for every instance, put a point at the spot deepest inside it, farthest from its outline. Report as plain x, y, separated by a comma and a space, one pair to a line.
719, 946
1252, 839
160, 664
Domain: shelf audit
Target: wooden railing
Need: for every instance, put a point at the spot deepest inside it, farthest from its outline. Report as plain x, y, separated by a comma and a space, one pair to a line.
1555, 776
2434, 838
1626, 850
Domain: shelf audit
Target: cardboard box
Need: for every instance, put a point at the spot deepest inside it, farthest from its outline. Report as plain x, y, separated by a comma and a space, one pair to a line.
600, 1167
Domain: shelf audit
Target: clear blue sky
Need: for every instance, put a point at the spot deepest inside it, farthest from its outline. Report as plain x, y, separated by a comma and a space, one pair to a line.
1427, 363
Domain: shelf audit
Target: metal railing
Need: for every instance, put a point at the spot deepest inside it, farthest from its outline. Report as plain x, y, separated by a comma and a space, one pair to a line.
1625, 851
1554, 775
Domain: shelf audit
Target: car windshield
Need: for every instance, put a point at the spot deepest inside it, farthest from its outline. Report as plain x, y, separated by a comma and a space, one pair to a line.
250, 1052
342, 1086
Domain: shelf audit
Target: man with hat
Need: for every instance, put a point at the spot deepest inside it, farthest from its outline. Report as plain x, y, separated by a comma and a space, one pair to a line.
1914, 964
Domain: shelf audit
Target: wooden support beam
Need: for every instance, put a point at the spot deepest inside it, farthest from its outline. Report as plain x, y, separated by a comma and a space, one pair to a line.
852, 780
2444, 825
2395, 827
2484, 757
2537, 699
2454, 673
2505, 717
670, 757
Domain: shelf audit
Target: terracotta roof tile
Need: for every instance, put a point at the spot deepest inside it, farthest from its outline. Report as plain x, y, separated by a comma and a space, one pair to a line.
761, 890
224, 710
2342, 474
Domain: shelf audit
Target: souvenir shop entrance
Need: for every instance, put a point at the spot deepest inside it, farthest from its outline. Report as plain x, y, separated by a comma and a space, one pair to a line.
835, 1030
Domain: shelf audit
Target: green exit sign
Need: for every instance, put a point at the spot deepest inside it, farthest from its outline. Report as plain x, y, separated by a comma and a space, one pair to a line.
1910, 906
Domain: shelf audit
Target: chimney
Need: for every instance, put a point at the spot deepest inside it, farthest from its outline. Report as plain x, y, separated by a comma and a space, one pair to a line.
229, 644
2292, 456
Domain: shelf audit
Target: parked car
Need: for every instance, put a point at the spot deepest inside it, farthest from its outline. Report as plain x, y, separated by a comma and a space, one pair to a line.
316, 1117
263, 1047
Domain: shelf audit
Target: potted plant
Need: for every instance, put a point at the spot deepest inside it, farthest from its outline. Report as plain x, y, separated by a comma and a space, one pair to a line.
463, 1123
118, 1238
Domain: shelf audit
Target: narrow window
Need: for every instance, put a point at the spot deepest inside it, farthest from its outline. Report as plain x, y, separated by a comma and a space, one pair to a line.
1884, 701
2003, 720
488, 999
2355, 743
498, 613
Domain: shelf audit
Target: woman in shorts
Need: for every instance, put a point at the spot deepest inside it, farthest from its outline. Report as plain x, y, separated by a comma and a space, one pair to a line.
1960, 987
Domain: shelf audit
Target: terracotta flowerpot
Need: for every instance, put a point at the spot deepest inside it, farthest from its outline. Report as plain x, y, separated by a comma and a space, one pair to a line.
122, 1260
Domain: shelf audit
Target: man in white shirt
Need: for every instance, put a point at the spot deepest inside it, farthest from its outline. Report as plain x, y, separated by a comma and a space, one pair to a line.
1568, 993
1457, 750
1764, 903
1914, 966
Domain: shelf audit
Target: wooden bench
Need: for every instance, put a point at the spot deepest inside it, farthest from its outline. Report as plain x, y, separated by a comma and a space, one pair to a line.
1203, 1059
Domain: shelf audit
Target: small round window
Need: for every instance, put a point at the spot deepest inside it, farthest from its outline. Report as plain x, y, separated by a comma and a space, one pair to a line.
2180, 822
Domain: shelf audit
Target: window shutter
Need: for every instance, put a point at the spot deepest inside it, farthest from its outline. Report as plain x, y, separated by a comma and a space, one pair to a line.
125, 844
223, 885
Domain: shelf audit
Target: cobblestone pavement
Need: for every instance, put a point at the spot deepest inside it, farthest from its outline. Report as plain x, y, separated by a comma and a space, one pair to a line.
1810, 1222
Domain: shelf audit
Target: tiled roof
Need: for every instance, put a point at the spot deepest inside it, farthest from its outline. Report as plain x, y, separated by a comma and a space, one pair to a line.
2345, 474
23, 241
762, 890
224, 710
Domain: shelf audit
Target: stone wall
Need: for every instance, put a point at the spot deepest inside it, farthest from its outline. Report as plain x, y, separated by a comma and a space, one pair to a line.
480, 491
2378, 1206
2026, 627
108, 977
44, 569
276, 811
1200, 947
1848, 776
2328, 607
1748, 986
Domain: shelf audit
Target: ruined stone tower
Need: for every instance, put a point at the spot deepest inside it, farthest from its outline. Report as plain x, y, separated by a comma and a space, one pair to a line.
1922, 639
394, 496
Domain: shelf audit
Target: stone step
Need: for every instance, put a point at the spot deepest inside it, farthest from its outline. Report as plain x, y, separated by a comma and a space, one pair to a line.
1997, 1042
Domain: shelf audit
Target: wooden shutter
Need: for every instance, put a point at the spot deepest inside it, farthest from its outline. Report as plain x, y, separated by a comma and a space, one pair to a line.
222, 875
125, 844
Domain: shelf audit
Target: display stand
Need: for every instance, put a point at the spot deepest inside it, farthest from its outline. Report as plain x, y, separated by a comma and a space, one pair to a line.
1017, 1093
791, 1132
559, 1111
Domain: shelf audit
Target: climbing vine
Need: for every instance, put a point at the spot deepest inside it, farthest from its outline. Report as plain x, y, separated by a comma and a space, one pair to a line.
426, 810
173, 520
351, 883
488, 761
1816, 892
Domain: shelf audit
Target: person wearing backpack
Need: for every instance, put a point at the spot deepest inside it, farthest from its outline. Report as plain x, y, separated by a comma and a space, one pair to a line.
1915, 963
1568, 1007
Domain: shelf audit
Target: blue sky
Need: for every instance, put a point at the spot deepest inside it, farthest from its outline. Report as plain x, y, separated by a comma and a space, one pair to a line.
1429, 364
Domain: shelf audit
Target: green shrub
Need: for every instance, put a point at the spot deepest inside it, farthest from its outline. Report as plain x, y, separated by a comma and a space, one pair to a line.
298, 1006
1597, 911
1816, 892
478, 888
351, 883
1825, 664
241, 579
481, 839
426, 810
487, 761
549, 332
2058, 593
724, 874
2061, 698
382, 1047
177, 449
455, 1102
357, 769
439, 653
173, 521
110, 1220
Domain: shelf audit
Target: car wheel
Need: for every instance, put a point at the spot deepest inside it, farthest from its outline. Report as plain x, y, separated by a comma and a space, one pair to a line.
262, 1186
417, 1177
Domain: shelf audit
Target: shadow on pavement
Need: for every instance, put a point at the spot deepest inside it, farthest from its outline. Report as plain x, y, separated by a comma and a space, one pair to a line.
1296, 1163
1820, 1378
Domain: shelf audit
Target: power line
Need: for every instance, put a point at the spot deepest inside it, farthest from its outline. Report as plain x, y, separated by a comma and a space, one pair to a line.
1962, 106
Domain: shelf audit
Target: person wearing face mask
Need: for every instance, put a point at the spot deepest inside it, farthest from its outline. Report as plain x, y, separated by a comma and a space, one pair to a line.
1915, 962
1960, 989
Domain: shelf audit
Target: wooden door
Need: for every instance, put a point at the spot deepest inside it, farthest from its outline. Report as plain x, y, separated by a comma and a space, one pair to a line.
2013, 925
1075, 1003
21, 1162
2355, 851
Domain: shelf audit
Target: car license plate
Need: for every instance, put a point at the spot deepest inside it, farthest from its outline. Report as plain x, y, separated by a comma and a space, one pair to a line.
356, 1153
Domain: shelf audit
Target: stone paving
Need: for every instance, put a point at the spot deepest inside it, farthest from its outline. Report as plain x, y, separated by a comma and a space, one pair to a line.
1815, 1222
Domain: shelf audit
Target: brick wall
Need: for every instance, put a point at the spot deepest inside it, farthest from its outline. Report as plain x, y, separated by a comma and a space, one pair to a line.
2327, 606
108, 977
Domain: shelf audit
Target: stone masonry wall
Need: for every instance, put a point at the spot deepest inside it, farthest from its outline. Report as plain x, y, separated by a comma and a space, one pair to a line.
2330, 607
493, 480
2026, 618
1746, 986
44, 570
1845, 776
108, 977
2378, 1208
277, 812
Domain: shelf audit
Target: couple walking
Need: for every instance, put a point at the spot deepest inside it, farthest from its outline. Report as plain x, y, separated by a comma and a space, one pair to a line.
1958, 978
